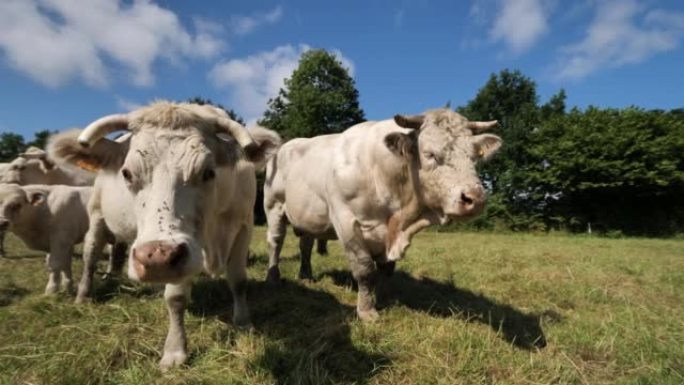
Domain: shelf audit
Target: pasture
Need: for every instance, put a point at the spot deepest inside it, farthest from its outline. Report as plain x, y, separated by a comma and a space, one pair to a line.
462, 308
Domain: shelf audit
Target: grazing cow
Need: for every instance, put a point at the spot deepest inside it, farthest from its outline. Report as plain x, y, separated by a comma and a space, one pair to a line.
47, 218
181, 190
374, 186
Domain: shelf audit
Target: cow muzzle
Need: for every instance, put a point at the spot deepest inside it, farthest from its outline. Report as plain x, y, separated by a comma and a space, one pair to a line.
469, 202
160, 261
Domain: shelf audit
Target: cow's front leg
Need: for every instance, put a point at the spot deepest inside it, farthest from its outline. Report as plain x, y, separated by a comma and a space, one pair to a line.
236, 274
93, 244
364, 272
54, 274
175, 347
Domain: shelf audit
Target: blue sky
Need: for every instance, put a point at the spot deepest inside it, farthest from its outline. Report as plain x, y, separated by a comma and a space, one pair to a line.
64, 63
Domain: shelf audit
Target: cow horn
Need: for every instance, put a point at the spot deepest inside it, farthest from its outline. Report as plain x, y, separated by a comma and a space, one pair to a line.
101, 127
236, 130
409, 121
477, 127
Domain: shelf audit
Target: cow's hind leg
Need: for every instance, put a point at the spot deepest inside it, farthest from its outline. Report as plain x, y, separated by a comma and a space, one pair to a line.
322, 246
95, 240
275, 236
175, 347
2, 244
305, 246
236, 274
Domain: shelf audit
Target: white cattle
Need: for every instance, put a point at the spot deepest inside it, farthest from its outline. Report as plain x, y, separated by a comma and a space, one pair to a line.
181, 190
374, 186
47, 218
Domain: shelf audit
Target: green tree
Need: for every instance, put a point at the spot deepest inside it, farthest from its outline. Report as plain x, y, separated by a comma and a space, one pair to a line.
233, 115
319, 98
616, 169
11, 145
511, 98
40, 139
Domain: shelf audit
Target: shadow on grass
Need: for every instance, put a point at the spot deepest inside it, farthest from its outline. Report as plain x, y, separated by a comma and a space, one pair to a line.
446, 300
109, 288
307, 331
10, 293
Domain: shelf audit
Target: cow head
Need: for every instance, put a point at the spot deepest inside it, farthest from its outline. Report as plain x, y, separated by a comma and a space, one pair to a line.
14, 201
31, 167
444, 148
172, 165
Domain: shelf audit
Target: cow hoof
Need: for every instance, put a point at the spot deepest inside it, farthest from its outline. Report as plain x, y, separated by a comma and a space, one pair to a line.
273, 277
368, 315
306, 276
51, 290
80, 299
172, 359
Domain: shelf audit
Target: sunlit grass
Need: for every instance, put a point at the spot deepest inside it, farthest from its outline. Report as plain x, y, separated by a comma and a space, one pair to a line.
463, 308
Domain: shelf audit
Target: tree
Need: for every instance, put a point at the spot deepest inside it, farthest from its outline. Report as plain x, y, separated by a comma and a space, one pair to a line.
40, 139
319, 98
201, 101
511, 98
620, 170
11, 145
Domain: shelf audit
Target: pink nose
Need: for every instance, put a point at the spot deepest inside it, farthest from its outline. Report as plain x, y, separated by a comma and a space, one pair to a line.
159, 261
472, 199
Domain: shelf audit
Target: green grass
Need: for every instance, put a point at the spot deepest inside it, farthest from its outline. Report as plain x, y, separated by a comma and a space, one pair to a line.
463, 308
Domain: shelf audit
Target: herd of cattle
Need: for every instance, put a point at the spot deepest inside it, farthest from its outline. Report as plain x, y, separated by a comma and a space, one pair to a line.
178, 190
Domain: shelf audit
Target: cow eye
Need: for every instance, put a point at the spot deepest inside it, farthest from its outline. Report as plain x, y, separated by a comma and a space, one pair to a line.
127, 175
208, 175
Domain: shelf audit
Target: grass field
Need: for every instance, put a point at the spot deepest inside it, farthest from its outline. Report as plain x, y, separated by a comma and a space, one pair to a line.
463, 308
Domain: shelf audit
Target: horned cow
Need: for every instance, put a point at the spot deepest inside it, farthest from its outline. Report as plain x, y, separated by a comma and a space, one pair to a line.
180, 189
374, 186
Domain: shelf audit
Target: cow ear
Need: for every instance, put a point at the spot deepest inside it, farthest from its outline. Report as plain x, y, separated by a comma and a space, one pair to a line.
486, 145
266, 144
401, 144
36, 198
103, 154
409, 121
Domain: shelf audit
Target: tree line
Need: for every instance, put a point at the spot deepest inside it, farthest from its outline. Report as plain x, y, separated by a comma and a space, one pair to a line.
611, 171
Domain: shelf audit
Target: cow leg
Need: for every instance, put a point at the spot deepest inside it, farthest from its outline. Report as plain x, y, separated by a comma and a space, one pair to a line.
236, 274
54, 277
2, 244
117, 259
175, 347
275, 236
305, 246
95, 240
67, 280
322, 246
364, 272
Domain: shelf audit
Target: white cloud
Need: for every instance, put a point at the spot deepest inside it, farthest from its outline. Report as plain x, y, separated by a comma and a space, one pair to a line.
622, 32
127, 104
252, 80
58, 41
518, 23
242, 25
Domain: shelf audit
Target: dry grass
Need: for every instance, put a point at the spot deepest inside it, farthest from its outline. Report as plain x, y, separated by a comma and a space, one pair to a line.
463, 308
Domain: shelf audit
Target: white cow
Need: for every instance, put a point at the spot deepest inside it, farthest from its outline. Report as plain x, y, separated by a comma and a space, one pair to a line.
181, 190
374, 186
47, 218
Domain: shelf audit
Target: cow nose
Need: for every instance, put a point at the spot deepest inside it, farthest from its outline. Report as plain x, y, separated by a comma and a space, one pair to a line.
472, 198
4, 224
161, 255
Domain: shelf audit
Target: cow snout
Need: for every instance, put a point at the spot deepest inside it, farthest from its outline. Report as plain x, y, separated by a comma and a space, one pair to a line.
471, 201
159, 261
4, 224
